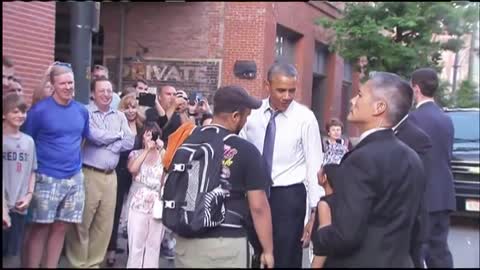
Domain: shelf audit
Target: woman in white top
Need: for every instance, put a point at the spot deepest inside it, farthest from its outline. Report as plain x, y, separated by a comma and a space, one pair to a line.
145, 233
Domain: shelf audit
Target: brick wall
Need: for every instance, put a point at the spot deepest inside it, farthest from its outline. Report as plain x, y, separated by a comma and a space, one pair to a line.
229, 31
282, 14
28, 30
169, 30
245, 40
183, 33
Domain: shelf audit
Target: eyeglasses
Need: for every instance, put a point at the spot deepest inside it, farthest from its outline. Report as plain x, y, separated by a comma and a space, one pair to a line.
62, 64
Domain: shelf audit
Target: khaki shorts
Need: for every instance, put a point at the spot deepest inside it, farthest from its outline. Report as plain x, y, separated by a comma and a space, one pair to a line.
211, 252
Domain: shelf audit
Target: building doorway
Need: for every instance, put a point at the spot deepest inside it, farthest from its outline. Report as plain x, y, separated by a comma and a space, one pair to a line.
318, 97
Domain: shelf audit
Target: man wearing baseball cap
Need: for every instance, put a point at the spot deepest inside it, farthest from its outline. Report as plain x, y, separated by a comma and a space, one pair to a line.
244, 167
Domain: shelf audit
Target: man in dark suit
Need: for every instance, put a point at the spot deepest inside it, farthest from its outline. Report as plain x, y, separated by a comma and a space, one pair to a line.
378, 190
440, 193
420, 142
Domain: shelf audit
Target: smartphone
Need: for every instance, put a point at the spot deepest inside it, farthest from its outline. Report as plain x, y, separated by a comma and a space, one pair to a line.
146, 99
192, 98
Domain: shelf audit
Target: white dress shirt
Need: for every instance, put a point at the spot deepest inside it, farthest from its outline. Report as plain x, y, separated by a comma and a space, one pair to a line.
423, 102
297, 154
400, 122
368, 132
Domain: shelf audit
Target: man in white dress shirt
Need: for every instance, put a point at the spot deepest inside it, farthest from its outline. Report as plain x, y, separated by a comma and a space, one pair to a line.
293, 151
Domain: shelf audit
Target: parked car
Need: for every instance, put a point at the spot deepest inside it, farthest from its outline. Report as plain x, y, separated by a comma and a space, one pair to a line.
465, 160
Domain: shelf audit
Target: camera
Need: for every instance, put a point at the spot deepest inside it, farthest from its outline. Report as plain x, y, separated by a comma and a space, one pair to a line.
194, 98
146, 99
155, 136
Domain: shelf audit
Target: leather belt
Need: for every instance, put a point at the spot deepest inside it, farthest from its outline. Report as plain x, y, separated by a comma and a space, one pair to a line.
98, 170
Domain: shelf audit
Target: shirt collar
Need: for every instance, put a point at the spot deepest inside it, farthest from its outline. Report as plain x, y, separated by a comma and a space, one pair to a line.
287, 113
399, 123
423, 102
368, 132
94, 108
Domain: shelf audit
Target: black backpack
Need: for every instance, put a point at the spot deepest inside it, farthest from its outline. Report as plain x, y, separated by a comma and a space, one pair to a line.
195, 189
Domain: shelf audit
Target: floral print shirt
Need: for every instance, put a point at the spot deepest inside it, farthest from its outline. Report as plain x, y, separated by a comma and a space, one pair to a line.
147, 184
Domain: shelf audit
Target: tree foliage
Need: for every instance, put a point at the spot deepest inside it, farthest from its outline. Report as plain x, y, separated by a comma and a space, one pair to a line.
443, 95
466, 96
398, 36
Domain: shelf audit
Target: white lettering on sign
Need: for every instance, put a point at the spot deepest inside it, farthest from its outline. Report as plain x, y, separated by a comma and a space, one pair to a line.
186, 72
165, 72
200, 74
173, 75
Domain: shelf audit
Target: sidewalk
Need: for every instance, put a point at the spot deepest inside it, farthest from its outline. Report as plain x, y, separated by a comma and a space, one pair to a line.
121, 261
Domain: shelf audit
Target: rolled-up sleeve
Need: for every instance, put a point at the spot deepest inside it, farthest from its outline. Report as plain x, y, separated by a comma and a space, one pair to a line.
128, 140
97, 135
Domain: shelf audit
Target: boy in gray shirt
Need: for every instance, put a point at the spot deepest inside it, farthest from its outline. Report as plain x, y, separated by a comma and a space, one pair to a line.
19, 164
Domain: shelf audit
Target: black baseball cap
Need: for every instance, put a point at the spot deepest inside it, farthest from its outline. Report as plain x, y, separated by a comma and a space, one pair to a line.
231, 98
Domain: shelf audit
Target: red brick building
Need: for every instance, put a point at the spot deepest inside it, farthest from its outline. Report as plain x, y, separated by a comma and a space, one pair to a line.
28, 38
212, 36
193, 46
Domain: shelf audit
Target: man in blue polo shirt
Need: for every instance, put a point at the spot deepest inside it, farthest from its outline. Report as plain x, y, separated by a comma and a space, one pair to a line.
58, 125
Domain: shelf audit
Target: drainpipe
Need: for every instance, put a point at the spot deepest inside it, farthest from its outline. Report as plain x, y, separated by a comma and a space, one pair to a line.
123, 11
81, 47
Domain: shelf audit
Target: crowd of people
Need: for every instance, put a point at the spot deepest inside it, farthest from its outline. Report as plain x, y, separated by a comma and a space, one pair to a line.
70, 171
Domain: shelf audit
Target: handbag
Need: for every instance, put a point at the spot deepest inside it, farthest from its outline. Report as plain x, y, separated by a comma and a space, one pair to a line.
157, 211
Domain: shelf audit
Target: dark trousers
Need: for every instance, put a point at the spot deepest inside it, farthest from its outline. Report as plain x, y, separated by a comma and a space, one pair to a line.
288, 205
124, 181
12, 238
437, 253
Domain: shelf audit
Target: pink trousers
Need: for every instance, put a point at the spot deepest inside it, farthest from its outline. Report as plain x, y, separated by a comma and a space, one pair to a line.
145, 236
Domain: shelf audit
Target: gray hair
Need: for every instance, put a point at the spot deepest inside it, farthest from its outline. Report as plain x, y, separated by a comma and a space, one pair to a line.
281, 69
397, 93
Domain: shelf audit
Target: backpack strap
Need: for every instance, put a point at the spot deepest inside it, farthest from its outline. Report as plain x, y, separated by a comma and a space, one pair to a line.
181, 167
173, 204
232, 220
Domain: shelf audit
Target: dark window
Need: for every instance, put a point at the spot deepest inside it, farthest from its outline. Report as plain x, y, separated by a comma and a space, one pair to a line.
285, 43
346, 93
466, 126
319, 84
320, 59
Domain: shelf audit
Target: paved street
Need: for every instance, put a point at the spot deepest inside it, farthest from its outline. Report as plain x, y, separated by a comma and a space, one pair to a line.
464, 241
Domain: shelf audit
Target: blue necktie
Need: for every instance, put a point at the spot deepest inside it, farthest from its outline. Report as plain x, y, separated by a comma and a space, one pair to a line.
269, 142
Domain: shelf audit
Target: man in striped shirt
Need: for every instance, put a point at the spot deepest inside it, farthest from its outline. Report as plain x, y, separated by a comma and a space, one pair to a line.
86, 244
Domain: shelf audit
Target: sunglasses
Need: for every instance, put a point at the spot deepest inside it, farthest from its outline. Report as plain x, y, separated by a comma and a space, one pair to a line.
62, 64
